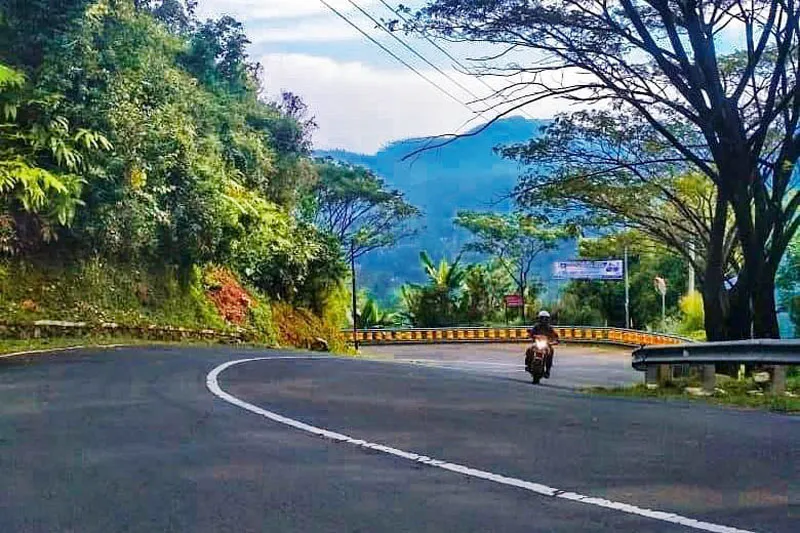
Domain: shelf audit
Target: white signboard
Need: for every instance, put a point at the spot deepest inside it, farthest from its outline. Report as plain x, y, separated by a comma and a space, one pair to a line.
611, 269
661, 285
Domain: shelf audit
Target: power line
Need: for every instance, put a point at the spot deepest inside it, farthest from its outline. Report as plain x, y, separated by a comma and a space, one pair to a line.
404, 63
413, 51
455, 60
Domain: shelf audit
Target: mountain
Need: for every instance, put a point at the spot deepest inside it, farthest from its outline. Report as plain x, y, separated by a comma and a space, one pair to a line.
465, 174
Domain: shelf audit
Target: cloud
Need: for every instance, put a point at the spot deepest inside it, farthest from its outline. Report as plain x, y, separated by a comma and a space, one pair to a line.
361, 108
317, 29
273, 9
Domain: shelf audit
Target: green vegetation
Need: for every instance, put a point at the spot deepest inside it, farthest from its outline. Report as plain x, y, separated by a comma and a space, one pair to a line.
435, 303
358, 209
96, 292
733, 393
461, 294
136, 157
372, 315
692, 316
514, 241
789, 283
672, 97
599, 303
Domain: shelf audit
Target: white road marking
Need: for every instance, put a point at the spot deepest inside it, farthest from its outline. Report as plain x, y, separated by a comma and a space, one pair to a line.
212, 382
441, 362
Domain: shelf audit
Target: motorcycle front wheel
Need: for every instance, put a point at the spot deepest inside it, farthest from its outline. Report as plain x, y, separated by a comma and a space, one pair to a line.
536, 373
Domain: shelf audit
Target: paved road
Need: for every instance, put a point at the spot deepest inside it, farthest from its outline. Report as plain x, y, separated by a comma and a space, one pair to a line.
575, 366
132, 440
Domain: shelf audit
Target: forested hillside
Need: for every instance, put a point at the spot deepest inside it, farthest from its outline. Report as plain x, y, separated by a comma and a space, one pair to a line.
142, 178
466, 174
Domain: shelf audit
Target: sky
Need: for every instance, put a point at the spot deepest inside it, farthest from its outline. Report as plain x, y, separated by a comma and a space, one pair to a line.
362, 97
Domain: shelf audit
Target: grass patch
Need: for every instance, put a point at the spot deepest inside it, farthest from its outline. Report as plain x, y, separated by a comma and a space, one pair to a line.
733, 393
96, 291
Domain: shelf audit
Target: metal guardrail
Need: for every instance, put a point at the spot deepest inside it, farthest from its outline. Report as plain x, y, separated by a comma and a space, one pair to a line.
576, 334
774, 356
759, 351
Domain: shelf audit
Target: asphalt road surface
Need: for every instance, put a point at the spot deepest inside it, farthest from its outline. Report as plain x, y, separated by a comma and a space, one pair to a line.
172, 439
575, 366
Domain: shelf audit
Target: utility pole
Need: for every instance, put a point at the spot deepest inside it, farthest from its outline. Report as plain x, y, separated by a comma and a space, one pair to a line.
627, 288
355, 302
661, 287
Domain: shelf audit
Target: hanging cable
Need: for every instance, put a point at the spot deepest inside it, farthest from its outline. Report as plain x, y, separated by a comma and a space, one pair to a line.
450, 56
395, 56
413, 51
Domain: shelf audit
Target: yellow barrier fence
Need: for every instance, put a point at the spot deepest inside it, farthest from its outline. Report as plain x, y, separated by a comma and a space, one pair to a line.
569, 334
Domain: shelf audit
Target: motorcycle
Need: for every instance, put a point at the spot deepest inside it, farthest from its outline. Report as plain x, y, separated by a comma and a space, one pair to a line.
536, 358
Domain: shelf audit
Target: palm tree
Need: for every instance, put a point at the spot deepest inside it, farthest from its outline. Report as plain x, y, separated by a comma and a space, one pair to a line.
434, 304
373, 316
446, 276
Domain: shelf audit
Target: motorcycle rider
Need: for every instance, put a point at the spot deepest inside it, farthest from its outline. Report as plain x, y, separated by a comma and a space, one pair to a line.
543, 328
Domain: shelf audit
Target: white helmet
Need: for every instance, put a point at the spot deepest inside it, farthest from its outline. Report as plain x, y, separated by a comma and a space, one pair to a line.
544, 314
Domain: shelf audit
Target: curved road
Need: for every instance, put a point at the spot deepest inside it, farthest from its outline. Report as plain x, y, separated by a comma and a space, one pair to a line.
576, 366
132, 439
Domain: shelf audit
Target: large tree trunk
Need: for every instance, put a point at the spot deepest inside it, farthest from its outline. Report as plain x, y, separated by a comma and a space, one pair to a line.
765, 315
716, 329
727, 312
739, 317
758, 274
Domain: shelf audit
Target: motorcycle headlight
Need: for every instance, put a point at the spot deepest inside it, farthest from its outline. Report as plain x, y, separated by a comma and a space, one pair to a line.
541, 344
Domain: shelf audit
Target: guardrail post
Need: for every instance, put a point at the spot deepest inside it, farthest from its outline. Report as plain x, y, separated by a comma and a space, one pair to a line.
777, 385
651, 376
709, 376
657, 375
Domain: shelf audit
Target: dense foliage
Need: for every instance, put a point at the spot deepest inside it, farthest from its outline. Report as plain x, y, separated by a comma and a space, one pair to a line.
601, 303
462, 294
357, 208
514, 240
727, 108
789, 283
133, 132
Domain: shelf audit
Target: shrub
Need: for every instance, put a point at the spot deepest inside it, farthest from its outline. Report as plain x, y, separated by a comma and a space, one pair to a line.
300, 328
692, 316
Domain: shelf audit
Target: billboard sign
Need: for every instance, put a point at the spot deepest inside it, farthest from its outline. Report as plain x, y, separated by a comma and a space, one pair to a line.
513, 300
603, 270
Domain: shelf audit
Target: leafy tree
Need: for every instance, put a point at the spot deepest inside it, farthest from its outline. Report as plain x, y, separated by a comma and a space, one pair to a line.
372, 316
42, 160
436, 303
446, 276
485, 285
515, 240
218, 57
292, 133
29, 27
732, 116
597, 169
178, 15
647, 260
144, 132
789, 283
358, 209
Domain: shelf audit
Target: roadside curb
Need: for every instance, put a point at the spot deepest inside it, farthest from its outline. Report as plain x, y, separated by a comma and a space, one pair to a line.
64, 349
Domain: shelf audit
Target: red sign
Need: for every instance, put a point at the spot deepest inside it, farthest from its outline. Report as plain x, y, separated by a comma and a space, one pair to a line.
513, 300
